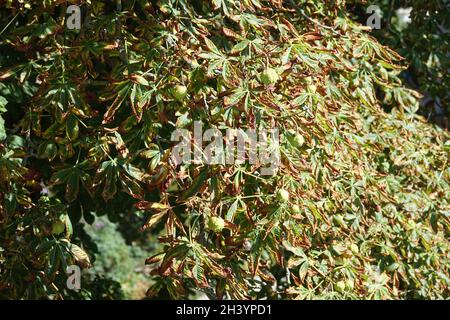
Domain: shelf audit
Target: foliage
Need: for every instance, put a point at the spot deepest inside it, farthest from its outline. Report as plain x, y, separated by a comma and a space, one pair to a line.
89, 117
424, 43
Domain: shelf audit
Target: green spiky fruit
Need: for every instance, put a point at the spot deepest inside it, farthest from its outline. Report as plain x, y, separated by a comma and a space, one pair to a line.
282, 195
349, 284
216, 224
294, 138
269, 76
58, 227
179, 92
339, 286
299, 140
295, 209
328, 205
354, 248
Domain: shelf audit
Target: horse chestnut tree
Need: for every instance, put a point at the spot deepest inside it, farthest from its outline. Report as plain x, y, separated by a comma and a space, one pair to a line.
358, 208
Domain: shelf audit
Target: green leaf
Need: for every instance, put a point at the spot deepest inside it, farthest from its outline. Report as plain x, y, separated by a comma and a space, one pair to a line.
72, 127
232, 210
211, 46
2, 129
240, 46
234, 98
71, 177
3, 103
47, 150
295, 250
141, 80
196, 184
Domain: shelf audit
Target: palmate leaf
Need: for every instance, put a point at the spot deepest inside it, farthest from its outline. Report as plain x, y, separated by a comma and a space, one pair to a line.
72, 177
108, 174
118, 170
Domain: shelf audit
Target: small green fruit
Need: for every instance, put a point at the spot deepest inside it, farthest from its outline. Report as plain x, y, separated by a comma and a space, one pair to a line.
58, 227
179, 92
295, 209
269, 76
299, 140
339, 286
283, 195
350, 284
354, 248
328, 205
216, 224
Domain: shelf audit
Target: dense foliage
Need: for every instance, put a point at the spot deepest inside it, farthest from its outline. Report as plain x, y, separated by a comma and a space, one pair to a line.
423, 41
358, 209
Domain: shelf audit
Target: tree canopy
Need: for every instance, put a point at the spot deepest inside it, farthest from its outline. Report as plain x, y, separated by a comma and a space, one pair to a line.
358, 208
